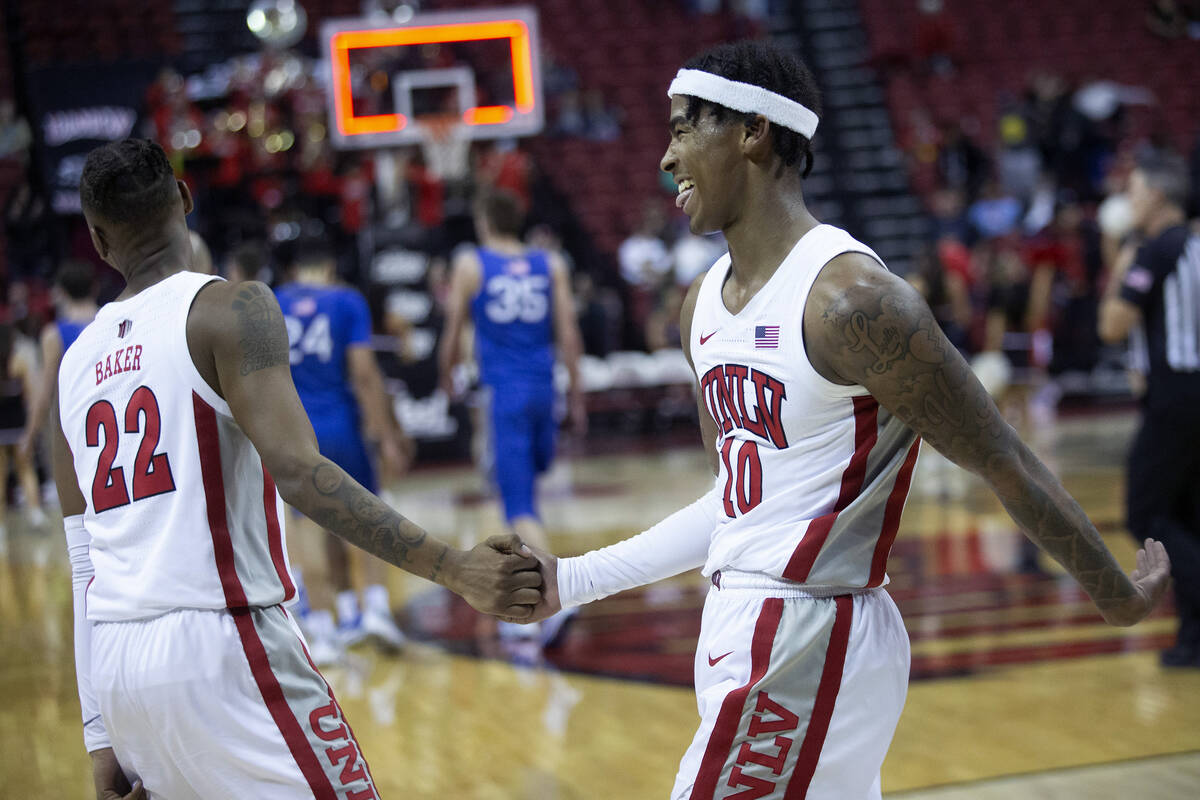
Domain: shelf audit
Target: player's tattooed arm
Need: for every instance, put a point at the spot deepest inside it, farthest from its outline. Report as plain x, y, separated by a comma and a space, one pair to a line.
866, 326
493, 577
362, 519
263, 341
238, 342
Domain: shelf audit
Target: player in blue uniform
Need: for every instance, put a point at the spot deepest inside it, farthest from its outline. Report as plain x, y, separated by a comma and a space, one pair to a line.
75, 303
519, 300
340, 385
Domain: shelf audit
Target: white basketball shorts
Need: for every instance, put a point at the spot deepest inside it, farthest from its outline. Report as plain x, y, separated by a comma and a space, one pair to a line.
798, 695
224, 704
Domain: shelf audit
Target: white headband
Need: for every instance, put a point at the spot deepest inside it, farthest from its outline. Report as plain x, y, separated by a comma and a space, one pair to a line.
745, 97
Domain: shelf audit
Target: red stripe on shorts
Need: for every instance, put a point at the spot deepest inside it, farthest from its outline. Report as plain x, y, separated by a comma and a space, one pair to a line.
338, 706
275, 537
891, 516
209, 441
281, 712
866, 432
827, 692
729, 719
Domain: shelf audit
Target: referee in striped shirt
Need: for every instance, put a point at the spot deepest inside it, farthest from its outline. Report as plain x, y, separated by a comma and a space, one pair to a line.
1153, 297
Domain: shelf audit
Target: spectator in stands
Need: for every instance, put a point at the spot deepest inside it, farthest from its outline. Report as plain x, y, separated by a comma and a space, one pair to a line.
692, 255
1018, 162
602, 123
935, 39
27, 231
1166, 19
644, 263
570, 120
996, 213
15, 136
962, 165
1058, 130
662, 326
599, 312
557, 77
1069, 249
949, 216
1194, 171
953, 284
946, 293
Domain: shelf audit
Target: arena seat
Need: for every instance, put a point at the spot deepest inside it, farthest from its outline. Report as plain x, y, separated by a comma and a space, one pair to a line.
997, 47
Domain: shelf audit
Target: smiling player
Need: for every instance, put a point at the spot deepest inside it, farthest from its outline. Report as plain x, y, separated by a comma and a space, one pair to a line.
818, 371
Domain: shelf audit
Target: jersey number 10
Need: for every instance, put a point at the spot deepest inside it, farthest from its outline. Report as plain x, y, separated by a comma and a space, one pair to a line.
151, 471
744, 482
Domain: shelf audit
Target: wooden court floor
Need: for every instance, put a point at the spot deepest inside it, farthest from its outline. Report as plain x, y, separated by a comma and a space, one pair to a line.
1018, 691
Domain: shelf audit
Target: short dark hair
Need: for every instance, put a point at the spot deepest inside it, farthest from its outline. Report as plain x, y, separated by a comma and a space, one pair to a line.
502, 210
250, 257
76, 278
765, 65
312, 250
128, 182
1168, 173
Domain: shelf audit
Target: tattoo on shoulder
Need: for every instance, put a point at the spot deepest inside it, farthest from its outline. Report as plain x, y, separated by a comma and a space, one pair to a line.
893, 343
263, 334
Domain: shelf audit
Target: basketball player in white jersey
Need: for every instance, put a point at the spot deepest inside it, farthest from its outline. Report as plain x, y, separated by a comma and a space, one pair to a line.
818, 372
178, 420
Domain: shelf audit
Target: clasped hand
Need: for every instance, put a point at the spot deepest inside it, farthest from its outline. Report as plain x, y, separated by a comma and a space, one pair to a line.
501, 577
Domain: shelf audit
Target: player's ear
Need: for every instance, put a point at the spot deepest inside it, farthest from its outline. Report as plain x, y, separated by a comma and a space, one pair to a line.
756, 138
186, 195
100, 242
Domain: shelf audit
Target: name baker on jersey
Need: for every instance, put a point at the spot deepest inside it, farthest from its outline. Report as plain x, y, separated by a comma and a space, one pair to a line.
124, 359
726, 387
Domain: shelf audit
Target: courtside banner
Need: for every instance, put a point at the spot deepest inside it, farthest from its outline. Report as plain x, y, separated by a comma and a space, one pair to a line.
74, 110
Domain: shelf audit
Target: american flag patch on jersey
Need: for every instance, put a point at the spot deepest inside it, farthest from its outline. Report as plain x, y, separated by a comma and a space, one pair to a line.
766, 337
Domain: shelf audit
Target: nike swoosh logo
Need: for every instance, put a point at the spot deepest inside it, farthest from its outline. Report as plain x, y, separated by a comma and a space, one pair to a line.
712, 662
704, 338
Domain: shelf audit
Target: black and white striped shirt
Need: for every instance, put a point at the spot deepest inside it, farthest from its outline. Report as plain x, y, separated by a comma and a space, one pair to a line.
1164, 282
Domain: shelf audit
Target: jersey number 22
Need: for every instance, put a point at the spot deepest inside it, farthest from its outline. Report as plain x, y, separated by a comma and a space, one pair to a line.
151, 471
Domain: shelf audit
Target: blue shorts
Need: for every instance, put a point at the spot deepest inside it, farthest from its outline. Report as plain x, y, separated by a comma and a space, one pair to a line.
523, 431
348, 450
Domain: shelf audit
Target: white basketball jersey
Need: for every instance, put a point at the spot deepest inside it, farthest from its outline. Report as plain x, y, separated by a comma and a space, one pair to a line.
181, 511
814, 474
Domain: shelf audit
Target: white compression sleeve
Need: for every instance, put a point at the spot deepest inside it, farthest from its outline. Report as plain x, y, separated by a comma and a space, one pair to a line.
675, 545
95, 736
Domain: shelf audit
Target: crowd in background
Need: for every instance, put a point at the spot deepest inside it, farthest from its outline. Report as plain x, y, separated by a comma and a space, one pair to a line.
1020, 220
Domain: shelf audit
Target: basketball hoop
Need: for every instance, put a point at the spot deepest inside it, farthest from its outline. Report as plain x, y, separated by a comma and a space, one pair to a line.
445, 145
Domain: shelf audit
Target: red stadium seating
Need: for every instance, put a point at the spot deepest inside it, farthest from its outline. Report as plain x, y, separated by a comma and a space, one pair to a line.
998, 46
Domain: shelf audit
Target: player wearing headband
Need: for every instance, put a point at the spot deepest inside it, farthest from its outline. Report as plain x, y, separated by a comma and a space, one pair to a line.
818, 371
